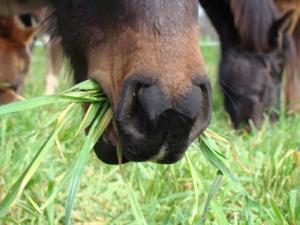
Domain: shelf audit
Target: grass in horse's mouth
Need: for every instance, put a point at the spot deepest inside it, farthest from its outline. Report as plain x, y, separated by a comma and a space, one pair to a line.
99, 123
110, 135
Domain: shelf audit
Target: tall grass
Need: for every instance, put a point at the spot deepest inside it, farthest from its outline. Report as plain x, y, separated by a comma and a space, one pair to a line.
266, 162
96, 119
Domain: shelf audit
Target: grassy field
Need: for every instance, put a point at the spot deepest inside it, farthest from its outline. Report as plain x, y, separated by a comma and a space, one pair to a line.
266, 162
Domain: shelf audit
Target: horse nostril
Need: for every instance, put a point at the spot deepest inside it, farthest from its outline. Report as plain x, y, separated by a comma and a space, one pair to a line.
203, 83
128, 99
141, 97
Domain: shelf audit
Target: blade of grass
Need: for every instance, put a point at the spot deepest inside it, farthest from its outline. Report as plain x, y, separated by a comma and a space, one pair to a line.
19, 186
293, 205
196, 189
59, 185
213, 190
88, 118
219, 214
210, 155
32, 202
50, 207
277, 212
216, 162
85, 85
97, 129
87, 91
64, 178
21, 183
134, 203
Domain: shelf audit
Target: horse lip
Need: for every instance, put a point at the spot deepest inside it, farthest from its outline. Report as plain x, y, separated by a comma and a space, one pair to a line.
106, 147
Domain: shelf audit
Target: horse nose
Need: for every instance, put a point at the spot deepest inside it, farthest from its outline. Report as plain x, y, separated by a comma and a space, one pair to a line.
155, 103
147, 94
150, 120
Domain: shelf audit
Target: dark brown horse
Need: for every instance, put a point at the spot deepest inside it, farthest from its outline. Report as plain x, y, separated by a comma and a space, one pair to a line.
145, 55
15, 39
255, 50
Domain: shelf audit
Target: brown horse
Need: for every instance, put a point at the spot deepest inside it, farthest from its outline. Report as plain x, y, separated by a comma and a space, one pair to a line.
289, 5
53, 50
146, 57
256, 48
52, 46
15, 39
292, 89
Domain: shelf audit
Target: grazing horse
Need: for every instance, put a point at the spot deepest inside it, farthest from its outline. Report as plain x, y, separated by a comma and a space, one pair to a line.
255, 48
146, 57
15, 40
53, 50
26, 24
53, 47
293, 72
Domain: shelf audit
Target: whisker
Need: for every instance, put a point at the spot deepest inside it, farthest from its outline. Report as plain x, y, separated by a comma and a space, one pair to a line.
227, 94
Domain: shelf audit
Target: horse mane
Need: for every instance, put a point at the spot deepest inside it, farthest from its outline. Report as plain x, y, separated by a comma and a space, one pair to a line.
253, 19
219, 13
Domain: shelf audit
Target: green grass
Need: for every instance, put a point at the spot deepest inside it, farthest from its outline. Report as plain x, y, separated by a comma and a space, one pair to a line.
267, 163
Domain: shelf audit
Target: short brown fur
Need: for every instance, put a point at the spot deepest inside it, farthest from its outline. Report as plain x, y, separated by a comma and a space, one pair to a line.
14, 56
292, 89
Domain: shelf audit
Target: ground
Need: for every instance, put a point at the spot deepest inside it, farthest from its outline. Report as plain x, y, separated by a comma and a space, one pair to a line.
266, 162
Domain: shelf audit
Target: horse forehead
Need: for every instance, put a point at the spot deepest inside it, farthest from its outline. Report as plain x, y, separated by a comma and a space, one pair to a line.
108, 13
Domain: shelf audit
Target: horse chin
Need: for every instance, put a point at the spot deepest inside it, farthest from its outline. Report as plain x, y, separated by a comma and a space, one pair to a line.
106, 150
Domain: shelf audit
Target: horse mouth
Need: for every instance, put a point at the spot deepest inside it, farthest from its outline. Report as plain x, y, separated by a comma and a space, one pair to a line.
148, 126
119, 147
113, 150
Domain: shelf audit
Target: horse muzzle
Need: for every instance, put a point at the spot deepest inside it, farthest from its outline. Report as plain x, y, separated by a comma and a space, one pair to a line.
149, 125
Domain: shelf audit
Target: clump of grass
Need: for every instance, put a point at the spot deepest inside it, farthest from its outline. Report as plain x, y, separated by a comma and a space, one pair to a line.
96, 119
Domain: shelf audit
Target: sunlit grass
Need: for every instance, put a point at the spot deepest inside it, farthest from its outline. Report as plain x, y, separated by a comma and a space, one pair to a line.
267, 163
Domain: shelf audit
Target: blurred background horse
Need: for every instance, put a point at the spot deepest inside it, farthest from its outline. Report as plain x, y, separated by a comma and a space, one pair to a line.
255, 50
15, 41
53, 50
20, 33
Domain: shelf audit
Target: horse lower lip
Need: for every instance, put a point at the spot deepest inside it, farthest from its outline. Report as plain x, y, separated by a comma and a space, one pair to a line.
107, 152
